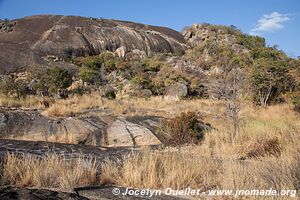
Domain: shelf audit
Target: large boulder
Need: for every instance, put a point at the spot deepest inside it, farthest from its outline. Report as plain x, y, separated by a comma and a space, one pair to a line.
31, 125
176, 91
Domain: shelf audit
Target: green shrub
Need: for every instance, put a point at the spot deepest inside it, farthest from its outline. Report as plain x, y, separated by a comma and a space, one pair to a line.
59, 79
91, 62
294, 98
270, 79
90, 76
106, 56
139, 80
151, 64
251, 42
10, 86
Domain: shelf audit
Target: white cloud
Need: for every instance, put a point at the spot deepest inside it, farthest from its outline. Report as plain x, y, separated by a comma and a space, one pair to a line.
270, 23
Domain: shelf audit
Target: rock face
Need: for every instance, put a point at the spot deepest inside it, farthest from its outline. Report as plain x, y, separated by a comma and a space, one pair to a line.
176, 91
96, 127
31, 124
31, 41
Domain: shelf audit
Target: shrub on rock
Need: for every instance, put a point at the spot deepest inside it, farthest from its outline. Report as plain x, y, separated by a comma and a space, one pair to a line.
183, 129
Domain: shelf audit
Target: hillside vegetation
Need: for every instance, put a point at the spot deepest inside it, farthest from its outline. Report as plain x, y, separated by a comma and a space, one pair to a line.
218, 58
223, 106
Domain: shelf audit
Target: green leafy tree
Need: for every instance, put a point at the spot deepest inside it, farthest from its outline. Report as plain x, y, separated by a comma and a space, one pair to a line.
90, 76
269, 79
59, 79
10, 86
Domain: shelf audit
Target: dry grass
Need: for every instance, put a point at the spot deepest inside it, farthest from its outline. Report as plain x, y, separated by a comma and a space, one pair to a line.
180, 170
271, 134
28, 102
73, 105
53, 171
269, 139
129, 106
161, 170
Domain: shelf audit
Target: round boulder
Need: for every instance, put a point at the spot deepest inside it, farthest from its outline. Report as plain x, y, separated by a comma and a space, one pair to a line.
176, 91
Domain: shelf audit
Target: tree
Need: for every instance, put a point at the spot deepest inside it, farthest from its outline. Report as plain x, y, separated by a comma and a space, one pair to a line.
59, 79
90, 76
228, 85
11, 86
269, 79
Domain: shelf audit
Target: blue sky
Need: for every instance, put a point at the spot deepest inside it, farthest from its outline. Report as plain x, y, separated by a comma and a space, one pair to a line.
276, 20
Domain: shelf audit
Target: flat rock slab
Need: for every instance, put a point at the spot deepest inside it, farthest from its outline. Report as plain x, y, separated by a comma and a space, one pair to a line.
95, 127
106, 193
124, 133
15, 193
100, 193
40, 148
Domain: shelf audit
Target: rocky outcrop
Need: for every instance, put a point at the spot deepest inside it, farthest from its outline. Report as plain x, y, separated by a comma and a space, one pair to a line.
35, 40
199, 34
31, 124
95, 127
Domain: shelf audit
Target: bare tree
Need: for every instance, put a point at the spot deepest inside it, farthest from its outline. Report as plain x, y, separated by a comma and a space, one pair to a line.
228, 85
235, 89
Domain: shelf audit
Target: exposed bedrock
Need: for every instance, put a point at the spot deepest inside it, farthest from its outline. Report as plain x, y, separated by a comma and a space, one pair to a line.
29, 41
94, 128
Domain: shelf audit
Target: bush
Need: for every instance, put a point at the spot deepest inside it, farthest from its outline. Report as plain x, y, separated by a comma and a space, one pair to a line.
139, 80
59, 79
10, 86
183, 129
108, 92
270, 79
90, 76
294, 98
251, 42
266, 147
91, 62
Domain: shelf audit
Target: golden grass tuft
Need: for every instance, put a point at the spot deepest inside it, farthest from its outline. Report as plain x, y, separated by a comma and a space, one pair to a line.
161, 170
28, 102
52, 171
130, 106
180, 170
73, 105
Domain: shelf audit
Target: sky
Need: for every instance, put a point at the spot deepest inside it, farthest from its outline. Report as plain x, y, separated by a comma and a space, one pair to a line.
276, 20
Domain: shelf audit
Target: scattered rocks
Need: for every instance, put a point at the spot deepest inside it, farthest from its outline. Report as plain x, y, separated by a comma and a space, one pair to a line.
237, 48
7, 26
